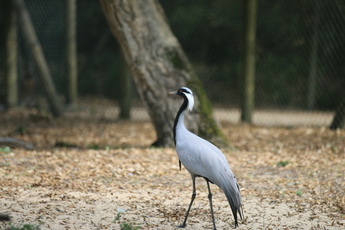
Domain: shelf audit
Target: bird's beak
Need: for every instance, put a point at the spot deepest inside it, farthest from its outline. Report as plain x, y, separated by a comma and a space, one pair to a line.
175, 92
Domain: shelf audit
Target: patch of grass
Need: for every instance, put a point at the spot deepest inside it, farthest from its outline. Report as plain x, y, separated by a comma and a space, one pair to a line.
65, 144
5, 164
5, 150
117, 218
98, 147
20, 129
24, 227
299, 192
283, 163
125, 226
94, 147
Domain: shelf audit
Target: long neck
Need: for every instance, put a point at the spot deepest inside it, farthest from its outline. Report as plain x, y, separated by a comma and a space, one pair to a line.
179, 119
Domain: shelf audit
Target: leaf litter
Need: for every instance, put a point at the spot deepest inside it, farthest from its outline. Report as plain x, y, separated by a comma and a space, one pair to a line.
64, 185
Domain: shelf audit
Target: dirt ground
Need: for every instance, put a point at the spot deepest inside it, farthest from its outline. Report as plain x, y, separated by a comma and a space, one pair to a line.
85, 170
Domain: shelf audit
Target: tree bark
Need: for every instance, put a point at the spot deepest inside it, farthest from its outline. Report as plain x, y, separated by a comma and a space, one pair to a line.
248, 95
158, 65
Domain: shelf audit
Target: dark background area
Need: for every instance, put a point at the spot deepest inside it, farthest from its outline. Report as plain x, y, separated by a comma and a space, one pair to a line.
211, 34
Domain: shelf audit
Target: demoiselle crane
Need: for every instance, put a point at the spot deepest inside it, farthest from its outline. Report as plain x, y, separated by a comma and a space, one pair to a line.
203, 159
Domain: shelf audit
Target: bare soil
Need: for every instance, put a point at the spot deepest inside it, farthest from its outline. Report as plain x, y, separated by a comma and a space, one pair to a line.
85, 170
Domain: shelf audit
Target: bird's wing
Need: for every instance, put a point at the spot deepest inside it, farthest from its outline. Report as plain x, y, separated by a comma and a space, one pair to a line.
202, 158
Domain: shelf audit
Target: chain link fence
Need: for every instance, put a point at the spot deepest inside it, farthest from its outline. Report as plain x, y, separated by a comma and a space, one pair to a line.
300, 56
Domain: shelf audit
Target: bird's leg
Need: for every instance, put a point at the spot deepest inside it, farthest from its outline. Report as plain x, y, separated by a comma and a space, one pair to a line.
210, 199
190, 205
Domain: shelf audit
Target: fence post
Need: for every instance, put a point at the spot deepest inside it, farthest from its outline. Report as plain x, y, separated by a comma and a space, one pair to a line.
72, 53
249, 61
11, 55
38, 56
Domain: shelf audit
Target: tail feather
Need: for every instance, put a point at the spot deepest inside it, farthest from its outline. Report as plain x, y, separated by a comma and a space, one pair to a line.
232, 193
241, 209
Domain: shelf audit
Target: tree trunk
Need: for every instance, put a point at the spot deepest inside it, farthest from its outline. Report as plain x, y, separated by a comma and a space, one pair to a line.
38, 56
125, 91
249, 61
11, 55
72, 52
339, 117
158, 65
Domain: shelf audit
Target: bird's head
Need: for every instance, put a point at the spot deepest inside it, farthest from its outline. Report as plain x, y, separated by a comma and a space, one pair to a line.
187, 94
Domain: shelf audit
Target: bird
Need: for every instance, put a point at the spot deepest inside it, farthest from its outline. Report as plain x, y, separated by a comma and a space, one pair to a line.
203, 159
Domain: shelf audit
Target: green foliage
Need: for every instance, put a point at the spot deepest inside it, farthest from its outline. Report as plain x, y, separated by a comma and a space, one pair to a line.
5, 150
299, 192
24, 227
65, 144
94, 146
283, 163
97, 146
118, 216
20, 129
125, 226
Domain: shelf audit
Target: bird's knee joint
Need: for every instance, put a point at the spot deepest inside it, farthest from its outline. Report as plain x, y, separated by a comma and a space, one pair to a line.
210, 196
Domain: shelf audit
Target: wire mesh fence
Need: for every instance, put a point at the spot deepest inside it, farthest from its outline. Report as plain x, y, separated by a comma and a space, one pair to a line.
300, 56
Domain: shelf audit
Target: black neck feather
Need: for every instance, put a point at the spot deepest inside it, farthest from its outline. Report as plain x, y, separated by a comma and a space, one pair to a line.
182, 108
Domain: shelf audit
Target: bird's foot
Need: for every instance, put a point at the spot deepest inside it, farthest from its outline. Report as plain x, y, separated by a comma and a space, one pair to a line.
182, 225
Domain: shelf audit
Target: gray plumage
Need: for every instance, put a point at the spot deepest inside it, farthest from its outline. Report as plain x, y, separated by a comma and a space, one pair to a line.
203, 159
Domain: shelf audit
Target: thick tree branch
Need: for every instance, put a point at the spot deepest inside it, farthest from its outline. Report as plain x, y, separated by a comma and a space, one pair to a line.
9, 141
